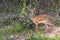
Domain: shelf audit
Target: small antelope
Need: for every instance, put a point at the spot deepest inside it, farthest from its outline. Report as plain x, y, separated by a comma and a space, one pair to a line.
40, 19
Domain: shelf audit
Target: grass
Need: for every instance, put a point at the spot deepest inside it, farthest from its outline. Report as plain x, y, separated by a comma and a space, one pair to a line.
38, 37
17, 28
1, 35
13, 29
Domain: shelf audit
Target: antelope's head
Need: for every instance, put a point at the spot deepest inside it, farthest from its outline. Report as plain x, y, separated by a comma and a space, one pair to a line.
32, 12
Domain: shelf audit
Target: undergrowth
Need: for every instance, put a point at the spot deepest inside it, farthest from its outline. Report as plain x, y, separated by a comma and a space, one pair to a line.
57, 22
17, 28
13, 29
39, 37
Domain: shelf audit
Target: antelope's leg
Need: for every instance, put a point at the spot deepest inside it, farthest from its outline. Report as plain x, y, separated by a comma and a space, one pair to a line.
54, 30
46, 27
36, 28
52, 26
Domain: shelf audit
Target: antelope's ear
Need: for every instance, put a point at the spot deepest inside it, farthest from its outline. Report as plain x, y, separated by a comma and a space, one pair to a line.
32, 10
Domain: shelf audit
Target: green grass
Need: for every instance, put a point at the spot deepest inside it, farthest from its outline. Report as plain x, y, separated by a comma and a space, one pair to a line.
38, 37
13, 29
57, 37
1, 35
17, 28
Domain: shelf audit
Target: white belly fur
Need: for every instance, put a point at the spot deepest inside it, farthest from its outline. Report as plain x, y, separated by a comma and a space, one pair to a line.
42, 21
